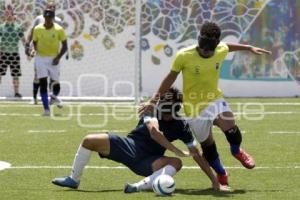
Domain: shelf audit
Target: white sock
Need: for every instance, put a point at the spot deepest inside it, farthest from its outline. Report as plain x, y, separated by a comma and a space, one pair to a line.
146, 183
81, 159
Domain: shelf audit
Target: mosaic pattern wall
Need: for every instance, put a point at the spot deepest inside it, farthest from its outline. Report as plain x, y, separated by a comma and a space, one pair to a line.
169, 25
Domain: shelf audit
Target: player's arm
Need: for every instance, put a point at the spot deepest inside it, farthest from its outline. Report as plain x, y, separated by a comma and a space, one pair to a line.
243, 47
158, 136
188, 139
63, 50
30, 37
203, 164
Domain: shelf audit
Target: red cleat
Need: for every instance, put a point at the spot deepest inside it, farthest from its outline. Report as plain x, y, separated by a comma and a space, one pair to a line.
246, 160
223, 179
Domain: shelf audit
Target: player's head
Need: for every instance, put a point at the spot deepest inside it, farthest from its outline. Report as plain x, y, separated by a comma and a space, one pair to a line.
170, 103
9, 14
49, 15
208, 39
51, 5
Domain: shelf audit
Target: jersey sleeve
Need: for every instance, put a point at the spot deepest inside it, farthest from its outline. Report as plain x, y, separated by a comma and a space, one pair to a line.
177, 64
187, 135
62, 35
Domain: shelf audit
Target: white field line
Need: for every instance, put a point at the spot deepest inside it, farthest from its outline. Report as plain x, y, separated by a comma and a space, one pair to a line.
109, 131
284, 132
14, 104
46, 131
117, 114
122, 167
64, 131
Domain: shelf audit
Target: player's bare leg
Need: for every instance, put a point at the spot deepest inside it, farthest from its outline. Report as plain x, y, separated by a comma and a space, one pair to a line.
226, 123
55, 89
16, 84
210, 153
93, 142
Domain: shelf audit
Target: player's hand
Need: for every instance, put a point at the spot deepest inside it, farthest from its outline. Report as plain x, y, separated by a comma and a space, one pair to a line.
146, 108
32, 53
259, 51
55, 61
221, 188
27, 49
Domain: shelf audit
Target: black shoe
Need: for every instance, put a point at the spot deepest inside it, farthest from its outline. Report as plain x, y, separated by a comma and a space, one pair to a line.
18, 95
130, 188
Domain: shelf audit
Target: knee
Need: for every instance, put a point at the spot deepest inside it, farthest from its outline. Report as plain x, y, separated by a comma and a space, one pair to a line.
176, 163
88, 142
233, 135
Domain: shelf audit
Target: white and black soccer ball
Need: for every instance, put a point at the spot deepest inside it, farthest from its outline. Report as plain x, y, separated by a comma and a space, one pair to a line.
163, 185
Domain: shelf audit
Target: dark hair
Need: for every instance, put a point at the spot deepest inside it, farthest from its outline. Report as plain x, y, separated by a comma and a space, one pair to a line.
170, 101
210, 30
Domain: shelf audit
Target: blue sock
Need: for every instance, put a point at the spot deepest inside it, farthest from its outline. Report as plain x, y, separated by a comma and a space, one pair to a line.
217, 166
235, 148
44, 97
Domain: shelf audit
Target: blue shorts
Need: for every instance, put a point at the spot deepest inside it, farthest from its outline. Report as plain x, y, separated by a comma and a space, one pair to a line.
128, 152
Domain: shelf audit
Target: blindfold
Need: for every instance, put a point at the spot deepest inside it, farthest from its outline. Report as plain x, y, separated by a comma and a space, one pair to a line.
49, 13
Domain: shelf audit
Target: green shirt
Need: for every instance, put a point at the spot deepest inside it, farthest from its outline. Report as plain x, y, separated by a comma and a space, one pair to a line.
10, 35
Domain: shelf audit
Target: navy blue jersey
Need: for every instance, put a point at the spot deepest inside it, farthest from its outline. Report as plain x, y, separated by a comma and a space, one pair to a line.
172, 130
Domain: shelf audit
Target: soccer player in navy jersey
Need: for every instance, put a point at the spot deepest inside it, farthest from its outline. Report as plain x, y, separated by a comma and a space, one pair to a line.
142, 150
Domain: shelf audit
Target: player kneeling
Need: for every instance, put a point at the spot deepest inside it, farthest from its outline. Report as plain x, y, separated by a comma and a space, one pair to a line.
142, 150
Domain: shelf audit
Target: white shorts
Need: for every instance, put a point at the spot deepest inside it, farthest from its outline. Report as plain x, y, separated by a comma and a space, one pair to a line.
44, 68
202, 124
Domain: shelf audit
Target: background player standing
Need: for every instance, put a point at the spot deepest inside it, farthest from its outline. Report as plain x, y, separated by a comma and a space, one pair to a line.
10, 35
47, 38
36, 84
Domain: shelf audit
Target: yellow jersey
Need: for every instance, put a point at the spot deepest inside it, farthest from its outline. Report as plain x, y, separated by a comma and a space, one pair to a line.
200, 77
48, 40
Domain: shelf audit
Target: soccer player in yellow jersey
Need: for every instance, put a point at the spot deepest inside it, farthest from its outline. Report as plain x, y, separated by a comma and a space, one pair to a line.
28, 51
202, 99
50, 44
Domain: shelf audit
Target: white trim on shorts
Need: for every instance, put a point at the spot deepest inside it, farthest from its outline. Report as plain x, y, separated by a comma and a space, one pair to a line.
44, 68
202, 124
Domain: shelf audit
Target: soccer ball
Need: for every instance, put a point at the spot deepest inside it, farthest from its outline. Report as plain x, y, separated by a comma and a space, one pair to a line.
163, 185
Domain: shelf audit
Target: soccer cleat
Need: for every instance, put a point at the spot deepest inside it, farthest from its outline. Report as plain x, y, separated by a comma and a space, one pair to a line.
130, 188
55, 101
223, 179
66, 182
46, 113
18, 95
246, 160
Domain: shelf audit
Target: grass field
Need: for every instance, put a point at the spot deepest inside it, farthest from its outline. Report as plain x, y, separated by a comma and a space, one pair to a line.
41, 148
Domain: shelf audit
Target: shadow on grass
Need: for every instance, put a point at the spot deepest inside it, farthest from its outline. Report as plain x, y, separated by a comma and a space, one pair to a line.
93, 191
209, 192
196, 192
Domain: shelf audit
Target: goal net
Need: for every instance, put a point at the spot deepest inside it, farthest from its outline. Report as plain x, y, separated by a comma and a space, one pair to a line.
101, 40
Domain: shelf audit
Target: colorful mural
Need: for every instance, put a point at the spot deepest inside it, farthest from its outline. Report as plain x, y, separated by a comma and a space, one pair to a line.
278, 33
168, 25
